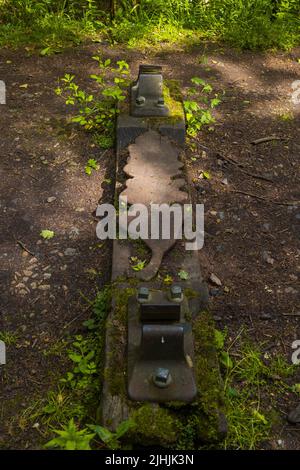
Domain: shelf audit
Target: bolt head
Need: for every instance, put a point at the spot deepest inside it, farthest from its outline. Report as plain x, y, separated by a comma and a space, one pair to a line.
143, 293
140, 100
160, 102
162, 377
176, 292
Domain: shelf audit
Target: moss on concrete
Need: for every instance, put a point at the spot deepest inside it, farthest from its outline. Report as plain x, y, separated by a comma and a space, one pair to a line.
115, 371
155, 425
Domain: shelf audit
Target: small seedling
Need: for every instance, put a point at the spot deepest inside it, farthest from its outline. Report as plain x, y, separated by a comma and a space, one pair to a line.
47, 234
91, 165
139, 264
183, 275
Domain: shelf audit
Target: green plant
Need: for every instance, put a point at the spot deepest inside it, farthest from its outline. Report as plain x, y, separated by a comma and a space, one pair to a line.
139, 264
82, 354
70, 438
8, 338
111, 439
47, 234
247, 379
98, 114
90, 166
198, 116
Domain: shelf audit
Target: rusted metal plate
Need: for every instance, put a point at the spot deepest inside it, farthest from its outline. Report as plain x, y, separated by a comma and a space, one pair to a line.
152, 167
147, 93
153, 164
160, 356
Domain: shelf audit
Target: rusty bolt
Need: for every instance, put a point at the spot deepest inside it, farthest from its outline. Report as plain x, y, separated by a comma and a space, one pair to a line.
140, 100
143, 294
162, 377
176, 293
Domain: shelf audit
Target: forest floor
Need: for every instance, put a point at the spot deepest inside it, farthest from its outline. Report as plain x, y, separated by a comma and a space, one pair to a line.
252, 241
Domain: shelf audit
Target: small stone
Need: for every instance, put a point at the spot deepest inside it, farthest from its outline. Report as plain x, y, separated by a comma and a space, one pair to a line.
33, 260
25, 279
217, 318
27, 273
65, 288
79, 209
45, 287
268, 258
47, 275
214, 292
266, 227
221, 215
215, 280
70, 252
20, 285
298, 216
51, 199
265, 316
74, 233
23, 292
225, 181
290, 290
33, 285
293, 277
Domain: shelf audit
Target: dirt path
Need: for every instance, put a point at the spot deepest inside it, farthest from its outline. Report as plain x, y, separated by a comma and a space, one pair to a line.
252, 245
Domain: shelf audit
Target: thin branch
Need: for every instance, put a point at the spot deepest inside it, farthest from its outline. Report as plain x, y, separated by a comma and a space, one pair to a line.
269, 201
267, 139
24, 247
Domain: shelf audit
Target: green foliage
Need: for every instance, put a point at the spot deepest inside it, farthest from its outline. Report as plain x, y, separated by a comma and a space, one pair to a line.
138, 264
70, 438
254, 24
77, 396
98, 114
248, 378
90, 166
47, 234
111, 439
183, 275
8, 338
198, 116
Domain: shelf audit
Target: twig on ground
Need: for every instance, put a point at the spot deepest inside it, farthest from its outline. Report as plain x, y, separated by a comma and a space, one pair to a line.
77, 317
280, 203
241, 167
24, 247
267, 139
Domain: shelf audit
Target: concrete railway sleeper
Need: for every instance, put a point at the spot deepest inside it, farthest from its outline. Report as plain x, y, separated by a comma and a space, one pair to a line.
161, 365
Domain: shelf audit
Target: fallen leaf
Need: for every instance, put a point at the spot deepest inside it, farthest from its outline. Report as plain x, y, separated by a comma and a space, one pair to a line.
215, 280
183, 275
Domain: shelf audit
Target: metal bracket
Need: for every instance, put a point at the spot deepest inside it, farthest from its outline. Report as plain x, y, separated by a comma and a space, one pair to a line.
147, 93
160, 348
